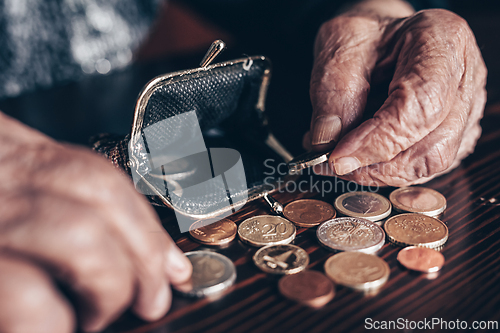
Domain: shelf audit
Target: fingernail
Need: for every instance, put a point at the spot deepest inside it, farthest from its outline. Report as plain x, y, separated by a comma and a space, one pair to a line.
345, 165
160, 303
326, 129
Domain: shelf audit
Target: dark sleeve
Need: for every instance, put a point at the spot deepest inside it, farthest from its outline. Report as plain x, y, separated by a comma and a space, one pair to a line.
43, 43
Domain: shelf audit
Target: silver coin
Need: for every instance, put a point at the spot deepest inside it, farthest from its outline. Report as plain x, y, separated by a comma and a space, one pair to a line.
212, 274
351, 234
307, 160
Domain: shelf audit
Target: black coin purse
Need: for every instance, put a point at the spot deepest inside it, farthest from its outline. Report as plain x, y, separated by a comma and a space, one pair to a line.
228, 100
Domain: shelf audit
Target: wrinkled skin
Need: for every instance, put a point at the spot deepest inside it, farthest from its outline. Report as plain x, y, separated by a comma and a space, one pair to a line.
430, 120
67, 215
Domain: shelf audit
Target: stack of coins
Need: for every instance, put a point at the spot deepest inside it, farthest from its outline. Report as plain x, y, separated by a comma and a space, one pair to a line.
266, 230
351, 234
420, 200
212, 274
413, 229
366, 205
308, 213
208, 232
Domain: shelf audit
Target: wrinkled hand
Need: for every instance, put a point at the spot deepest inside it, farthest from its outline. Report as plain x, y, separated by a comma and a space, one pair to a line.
430, 120
68, 218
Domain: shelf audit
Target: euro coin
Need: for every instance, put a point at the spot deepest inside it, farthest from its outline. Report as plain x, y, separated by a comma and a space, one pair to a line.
308, 213
265, 230
351, 234
421, 259
414, 229
367, 205
357, 270
418, 200
209, 232
281, 259
308, 287
212, 274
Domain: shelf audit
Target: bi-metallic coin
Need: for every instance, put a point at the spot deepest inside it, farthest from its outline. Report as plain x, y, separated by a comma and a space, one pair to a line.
418, 200
367, 205
212, 274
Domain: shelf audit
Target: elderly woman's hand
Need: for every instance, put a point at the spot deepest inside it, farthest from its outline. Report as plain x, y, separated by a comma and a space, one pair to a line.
430, 120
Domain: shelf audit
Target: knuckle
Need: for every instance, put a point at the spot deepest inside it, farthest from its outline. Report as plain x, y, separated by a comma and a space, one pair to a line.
388, 140
438, 159
443, 17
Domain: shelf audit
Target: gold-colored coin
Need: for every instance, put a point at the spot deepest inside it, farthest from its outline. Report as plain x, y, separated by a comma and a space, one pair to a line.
308, 213
414, 229
421, 259
209, 232
281, 259
308, 287
418, 200
266, 230
367, 205
357, 270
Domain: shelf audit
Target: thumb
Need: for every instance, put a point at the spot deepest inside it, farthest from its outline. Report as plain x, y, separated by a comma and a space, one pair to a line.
345, 56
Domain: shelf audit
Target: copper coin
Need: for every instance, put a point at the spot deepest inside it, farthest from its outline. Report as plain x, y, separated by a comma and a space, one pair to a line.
421, 259
308, 287
414, 229
209, 232
308, 212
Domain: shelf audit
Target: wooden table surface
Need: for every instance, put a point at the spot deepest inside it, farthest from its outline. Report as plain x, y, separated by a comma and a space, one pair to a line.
467, 288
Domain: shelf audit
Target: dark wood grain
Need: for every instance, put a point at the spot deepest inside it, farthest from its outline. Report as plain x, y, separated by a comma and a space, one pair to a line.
467, 288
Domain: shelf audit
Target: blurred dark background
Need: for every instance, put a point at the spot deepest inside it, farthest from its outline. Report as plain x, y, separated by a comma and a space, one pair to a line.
284, 31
